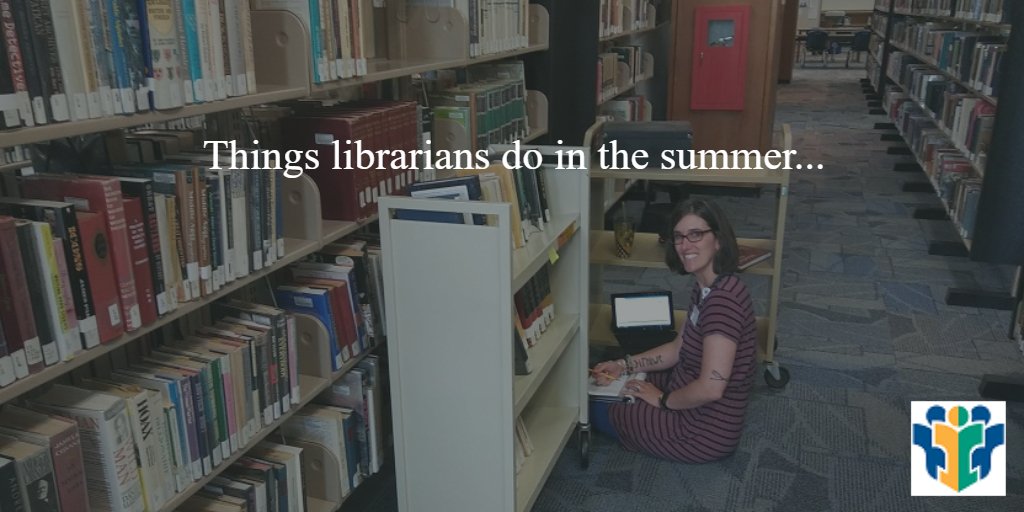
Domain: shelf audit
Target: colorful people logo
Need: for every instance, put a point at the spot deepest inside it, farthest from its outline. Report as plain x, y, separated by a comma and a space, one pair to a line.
958, 445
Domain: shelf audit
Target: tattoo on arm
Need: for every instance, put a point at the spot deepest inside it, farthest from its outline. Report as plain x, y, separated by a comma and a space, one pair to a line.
645, 362
717, 376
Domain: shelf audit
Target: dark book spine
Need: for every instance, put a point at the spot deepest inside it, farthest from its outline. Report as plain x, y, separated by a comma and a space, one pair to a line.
144, 191
52, 75
16, 62
130, 32
226, 49
213, 227
229, 258
34, 282
8, 95
33, 51
10, 492
255, 193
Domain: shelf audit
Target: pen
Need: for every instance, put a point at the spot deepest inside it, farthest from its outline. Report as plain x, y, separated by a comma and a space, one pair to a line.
603, 374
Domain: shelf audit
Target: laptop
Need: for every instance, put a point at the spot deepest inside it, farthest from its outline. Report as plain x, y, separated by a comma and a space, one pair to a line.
642, 320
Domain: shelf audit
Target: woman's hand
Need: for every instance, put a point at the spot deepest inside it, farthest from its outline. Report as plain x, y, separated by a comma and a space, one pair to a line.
607, 371
643, 390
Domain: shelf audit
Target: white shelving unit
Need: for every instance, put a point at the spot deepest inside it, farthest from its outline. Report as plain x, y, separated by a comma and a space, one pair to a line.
455, 396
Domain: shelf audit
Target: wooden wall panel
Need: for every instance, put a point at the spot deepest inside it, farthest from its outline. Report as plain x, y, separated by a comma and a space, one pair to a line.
787, 40
747, 129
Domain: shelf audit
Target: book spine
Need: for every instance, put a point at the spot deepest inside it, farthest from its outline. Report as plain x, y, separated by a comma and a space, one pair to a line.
202, 230
68, 52
36, 62
193, 50
245, 15
10, 491
69, 470
9, 117
50, 296
62, 289
16, 62
152, 234
141, 265
52, 74
163, 52
108, 94
224, 57
79, 38
125, 92
133, 32
15, 307
35, 348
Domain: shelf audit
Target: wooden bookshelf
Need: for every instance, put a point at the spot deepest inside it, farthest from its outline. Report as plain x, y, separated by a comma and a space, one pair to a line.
931, 62
14, 166
42, 133
295, 249
310, 387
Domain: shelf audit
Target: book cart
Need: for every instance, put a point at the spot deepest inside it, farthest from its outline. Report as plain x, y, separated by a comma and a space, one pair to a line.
648, 252
456, 397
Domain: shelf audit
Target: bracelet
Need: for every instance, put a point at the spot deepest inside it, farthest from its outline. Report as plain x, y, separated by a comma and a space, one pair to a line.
663, 401
630, 369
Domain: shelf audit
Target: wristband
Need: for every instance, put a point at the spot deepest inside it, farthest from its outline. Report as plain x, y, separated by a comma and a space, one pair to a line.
663, 401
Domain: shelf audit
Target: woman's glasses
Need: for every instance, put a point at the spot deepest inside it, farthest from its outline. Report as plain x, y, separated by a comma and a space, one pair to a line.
693, 236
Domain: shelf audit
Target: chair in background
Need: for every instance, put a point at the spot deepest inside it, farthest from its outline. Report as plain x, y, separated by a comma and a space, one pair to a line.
861, 43
816, 44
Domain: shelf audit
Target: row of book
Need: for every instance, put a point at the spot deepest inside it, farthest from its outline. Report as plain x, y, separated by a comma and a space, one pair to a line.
974, 58
611, 80
15, 154
524, 189
533, 312
89, 257
341, 286
346, 420
618, 16
950, 171
341, 34
629, 108
489, 107
170, 413
70, 61
270, 477
357, 132
972, 10
966, 119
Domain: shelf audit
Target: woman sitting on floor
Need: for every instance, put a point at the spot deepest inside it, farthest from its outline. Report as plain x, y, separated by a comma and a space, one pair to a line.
692, 405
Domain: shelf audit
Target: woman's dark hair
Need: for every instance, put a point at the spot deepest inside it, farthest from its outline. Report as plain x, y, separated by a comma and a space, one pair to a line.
727, 258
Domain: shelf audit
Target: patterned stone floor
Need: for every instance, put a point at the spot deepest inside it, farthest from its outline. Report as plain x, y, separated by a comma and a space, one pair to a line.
862, 329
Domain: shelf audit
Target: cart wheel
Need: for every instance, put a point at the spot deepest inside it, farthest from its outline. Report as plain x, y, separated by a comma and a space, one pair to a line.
584, 446
777, 383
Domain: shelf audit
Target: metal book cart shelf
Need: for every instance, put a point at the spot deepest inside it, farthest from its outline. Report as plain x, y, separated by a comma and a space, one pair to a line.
647, 252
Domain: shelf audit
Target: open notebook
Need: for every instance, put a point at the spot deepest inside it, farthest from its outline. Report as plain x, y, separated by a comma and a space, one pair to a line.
613, 391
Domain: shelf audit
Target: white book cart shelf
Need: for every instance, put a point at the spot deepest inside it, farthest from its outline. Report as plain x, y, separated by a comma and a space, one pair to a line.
455, 394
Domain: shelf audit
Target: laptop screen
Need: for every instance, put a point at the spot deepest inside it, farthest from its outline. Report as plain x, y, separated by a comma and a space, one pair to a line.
639, 311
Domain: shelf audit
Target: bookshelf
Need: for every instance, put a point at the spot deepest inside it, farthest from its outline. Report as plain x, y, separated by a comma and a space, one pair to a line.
936, 68
411, 40
647, 252
461, 349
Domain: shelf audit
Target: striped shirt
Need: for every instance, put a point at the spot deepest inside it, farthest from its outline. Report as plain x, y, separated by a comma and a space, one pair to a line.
713, 430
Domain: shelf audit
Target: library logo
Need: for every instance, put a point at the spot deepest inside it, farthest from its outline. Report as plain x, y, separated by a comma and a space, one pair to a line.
959, 449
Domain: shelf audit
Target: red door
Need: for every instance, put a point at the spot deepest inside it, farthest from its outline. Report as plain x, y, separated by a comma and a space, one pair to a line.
719, 57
